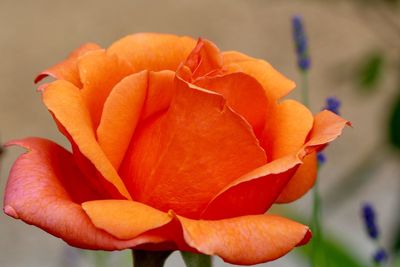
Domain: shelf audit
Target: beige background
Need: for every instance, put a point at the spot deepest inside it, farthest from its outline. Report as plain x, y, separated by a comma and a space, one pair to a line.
37, 34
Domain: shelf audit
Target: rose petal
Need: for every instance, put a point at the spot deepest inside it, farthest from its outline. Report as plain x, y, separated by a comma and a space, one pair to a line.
302, 181
327, 126
172, 147
256, 191
234, 57
275, 84
120, 116
245, 240
124, 219
44, 188
100, 72
205, 58
64, 100
243, 94
68, 69
151, 51
286, 128
160, 91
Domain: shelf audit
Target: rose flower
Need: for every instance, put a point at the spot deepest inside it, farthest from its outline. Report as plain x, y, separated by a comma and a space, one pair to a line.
175, 146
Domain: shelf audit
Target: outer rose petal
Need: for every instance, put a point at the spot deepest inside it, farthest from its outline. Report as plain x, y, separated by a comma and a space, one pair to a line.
302, 181
171, 146
99, 72
68, 69
43, 188
256, 191
275, 84
241, 240
151, 51
124, 219
245, 240
64, 100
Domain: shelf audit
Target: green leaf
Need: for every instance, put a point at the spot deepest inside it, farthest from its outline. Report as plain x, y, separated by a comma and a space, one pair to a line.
196, 260
370, 72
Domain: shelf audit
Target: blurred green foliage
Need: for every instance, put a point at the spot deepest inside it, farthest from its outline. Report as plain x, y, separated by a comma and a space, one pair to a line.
332, 253
370, 72
394, 124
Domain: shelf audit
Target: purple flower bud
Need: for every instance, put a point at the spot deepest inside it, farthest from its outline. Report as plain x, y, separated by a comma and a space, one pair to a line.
300, 41
368, 214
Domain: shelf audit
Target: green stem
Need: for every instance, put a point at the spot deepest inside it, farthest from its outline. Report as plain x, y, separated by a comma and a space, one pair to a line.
304, 88
316, 225
144, 258
316, 207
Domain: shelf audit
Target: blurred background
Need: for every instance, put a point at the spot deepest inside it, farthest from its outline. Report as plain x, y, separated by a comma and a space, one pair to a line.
355, 53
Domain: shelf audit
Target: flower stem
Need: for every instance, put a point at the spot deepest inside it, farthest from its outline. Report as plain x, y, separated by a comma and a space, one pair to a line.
304, 88
144, 258
316, 202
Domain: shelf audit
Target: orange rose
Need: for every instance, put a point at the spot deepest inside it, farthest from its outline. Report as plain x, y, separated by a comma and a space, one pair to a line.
175, 145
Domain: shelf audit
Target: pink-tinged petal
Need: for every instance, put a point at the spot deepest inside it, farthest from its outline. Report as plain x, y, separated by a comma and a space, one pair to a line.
245, 240
44, 189
243, 94
286, 129
65, 102
256, 191
124, 219
275, 84
188, 147
152, 51
68, 69
100, 71
121, 114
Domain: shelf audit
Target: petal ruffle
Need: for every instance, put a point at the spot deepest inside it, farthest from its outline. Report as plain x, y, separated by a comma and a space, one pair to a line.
257, 190
68, 69
245, 240
151, 51
44, 189
204, 59
243, 94
65, 102
170, 146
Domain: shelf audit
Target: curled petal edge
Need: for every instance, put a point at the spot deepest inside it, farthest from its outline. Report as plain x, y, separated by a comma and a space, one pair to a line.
241, 240
267, 181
